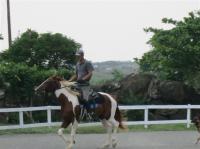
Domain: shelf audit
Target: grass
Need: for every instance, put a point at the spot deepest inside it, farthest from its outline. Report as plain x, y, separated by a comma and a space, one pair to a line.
98, 129
167, 127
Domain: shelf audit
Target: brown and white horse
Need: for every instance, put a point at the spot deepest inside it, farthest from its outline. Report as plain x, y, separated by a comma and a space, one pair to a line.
107, 111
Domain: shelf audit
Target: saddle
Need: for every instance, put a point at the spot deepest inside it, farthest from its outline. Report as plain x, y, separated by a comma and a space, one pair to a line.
94, 98
89, 105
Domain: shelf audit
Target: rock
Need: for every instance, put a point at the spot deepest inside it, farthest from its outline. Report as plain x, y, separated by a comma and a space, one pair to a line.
136, 83
148, 87
172, 92
137, 89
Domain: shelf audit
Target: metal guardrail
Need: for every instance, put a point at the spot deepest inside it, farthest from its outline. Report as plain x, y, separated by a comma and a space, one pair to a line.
146, 121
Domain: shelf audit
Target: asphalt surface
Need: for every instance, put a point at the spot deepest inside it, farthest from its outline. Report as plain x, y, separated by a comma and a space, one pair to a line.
137, 140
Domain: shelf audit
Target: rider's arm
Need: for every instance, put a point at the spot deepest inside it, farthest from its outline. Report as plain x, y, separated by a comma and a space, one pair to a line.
90, 69
73, 78
88, 76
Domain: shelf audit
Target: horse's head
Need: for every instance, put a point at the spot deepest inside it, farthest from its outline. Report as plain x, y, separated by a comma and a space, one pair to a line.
50, 85
196, 120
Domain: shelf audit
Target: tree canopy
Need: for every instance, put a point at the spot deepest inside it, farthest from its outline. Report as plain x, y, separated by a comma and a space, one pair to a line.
31, 59
45, 50
175, 53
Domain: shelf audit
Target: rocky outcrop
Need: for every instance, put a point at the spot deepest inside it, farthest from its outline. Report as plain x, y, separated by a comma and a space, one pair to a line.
147, 86
136, 84
172, 92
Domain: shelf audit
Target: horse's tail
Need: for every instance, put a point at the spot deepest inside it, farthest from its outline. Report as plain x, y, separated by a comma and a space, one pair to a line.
118, 117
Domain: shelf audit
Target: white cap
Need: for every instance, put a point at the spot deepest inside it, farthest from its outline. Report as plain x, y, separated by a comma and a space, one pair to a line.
79, 52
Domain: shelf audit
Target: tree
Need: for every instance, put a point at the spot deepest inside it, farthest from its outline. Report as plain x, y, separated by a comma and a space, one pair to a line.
32, 58
175, 53
45, 50
117, 75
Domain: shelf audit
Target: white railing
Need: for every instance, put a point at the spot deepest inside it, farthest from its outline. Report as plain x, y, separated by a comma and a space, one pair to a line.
146, 121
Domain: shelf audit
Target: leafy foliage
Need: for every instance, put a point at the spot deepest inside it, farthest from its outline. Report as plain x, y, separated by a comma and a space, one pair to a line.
31, 59
117, 75
44, 50
22, 79
175, 53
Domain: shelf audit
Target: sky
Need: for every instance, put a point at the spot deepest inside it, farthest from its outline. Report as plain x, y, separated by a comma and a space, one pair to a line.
107, 29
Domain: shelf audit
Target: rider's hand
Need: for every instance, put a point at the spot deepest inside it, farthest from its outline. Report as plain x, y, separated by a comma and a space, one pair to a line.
80, 81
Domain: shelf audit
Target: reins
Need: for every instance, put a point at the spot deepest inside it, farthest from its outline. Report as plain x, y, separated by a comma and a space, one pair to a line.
67, 87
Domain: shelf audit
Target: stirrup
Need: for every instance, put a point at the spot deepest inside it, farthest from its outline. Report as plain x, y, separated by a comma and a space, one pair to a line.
87, 115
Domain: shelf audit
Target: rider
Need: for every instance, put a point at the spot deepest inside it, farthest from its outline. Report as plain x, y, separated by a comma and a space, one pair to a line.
84, 70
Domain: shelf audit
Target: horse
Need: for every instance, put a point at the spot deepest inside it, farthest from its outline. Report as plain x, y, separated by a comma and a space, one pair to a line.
107, 111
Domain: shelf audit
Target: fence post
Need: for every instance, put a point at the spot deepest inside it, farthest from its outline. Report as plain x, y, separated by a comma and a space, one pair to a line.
49, 115
146, 116
188, 115
21, 119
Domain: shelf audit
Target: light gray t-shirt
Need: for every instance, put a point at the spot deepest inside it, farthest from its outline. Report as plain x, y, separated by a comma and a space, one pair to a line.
83, 69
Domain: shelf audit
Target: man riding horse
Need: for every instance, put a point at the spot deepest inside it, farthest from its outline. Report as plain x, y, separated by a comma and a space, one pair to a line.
104, 106
84, 70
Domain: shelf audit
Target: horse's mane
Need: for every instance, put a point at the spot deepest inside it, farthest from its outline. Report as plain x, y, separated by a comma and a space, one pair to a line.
66, 84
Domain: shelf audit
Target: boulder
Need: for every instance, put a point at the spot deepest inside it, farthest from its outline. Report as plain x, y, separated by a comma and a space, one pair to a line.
136, 84
172, 92
148, 87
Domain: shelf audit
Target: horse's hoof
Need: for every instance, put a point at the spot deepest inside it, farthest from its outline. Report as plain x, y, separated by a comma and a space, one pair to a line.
69, 146
74, 141
106, 146
114, 144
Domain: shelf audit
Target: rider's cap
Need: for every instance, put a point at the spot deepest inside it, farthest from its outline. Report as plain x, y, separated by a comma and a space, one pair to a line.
79, 52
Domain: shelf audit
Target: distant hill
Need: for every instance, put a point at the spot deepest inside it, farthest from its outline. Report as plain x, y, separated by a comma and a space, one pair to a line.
103, 70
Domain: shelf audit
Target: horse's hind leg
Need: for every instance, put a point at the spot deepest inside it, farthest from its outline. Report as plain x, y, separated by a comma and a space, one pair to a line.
115, 125
108, 127
198, 139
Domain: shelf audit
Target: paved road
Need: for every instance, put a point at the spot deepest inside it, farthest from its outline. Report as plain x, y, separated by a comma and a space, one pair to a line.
137, 140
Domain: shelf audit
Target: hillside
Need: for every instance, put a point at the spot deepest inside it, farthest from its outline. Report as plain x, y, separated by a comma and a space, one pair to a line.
103, 70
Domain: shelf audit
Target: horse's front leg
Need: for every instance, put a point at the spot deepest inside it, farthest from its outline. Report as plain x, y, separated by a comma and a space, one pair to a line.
60, 133
64, 125
73, 132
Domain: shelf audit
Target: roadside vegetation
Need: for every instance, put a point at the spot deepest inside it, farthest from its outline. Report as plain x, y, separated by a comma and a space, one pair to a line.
99, 129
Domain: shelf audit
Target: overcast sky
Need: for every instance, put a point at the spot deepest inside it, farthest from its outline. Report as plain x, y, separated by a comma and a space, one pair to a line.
107, 29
